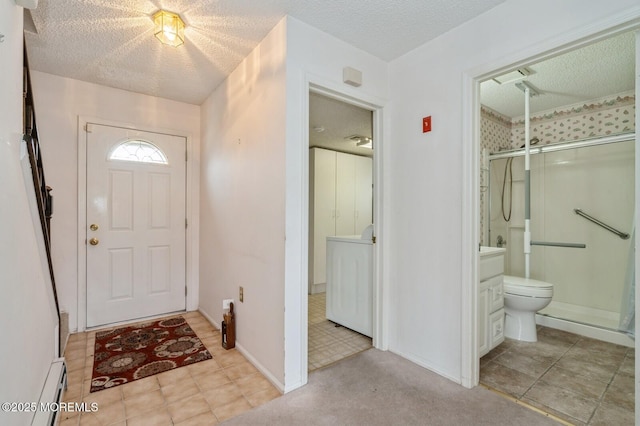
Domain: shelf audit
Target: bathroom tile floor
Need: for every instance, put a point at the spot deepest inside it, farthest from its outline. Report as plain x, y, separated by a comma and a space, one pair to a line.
204, 393
577, 379
328, 343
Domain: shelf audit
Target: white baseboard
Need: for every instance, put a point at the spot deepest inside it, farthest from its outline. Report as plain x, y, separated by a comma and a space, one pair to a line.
248, 356
318, 288
275, 382
210, 319
64, 331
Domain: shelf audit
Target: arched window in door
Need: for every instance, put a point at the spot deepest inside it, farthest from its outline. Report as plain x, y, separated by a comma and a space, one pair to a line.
138, 151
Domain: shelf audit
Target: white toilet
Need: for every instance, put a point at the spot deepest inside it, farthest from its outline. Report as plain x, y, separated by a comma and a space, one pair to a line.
523, 297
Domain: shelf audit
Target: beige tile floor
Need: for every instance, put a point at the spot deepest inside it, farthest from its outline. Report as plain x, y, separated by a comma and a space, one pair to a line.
328, 343
579, 380
204, 393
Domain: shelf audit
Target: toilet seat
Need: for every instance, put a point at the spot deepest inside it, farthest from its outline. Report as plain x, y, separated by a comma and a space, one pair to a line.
527, 287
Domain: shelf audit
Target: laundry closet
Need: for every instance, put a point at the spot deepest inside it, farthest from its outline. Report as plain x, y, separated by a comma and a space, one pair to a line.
341, 200
341, 246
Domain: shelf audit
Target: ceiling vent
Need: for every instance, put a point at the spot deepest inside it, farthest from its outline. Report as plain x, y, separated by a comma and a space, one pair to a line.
516, 75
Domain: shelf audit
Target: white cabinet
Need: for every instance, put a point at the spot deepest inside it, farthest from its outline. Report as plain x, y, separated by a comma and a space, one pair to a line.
483, 315
490, 299
364, 193
345, 206
322, 214
341, 203
350, 283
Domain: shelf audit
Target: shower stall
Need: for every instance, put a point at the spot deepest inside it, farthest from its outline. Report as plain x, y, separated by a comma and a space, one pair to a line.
582, 196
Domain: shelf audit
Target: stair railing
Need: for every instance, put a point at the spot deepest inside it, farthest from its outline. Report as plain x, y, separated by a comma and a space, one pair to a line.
44, 198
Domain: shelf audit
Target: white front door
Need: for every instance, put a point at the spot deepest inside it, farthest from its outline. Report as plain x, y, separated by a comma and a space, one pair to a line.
136, 219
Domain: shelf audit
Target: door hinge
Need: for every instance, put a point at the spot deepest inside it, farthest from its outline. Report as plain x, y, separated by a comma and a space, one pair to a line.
185, 291
373, 239
186, 156
186, 224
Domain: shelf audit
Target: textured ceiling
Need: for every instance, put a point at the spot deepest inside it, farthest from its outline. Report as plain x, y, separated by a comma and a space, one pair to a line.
110, 42
593, 72
332, 122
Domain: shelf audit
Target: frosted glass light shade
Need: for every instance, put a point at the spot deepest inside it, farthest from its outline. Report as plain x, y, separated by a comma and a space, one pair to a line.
168, 28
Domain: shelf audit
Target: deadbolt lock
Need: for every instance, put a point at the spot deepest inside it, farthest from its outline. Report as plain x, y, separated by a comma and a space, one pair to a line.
94, 227
94, 241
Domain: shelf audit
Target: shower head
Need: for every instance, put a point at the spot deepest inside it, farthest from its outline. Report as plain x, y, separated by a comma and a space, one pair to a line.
522, 85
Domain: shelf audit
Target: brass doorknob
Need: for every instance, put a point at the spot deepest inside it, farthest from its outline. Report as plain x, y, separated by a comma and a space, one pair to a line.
93, 227
94, 241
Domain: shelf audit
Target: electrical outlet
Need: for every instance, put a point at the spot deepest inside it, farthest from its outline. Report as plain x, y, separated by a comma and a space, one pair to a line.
226, 302
241, 294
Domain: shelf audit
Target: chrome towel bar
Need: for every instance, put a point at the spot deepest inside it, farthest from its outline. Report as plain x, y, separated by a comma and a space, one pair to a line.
620, 234
552, 244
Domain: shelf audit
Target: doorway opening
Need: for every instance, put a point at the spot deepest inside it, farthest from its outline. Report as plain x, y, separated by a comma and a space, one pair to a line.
341, 243
581, 131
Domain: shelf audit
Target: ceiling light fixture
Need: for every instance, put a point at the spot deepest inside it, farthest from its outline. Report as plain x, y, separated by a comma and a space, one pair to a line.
169, 28
365, 143
361, 141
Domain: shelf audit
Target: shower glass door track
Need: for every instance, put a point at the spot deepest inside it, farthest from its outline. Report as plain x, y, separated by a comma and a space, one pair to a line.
564, 146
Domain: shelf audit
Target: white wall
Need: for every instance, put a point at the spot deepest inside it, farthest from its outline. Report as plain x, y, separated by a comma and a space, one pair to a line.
26, 306
253, 131
59, 102
242, 202
428, 179
316, 58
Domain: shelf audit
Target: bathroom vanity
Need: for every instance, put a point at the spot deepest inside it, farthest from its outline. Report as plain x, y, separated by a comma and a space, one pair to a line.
490, 299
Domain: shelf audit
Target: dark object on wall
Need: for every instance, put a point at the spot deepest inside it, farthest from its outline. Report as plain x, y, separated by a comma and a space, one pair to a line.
229, 329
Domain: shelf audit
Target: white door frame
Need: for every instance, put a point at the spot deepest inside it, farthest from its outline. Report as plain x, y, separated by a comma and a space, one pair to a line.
605, 28
380, 298
192, 212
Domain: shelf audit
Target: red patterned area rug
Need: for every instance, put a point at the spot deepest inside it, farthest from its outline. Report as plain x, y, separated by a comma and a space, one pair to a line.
130, 353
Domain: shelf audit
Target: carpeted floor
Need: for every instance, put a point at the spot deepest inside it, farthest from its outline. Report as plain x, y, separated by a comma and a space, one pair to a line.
381, 388
129, 353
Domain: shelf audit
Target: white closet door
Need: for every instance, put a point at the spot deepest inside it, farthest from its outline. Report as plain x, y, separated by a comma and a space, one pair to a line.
345, 194
324, 210
363, 193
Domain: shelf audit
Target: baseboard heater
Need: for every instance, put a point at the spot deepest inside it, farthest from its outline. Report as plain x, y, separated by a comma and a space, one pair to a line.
51, 395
